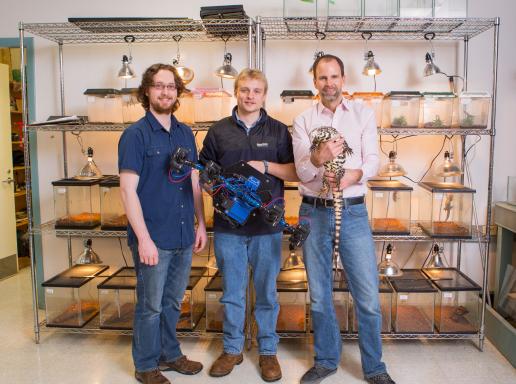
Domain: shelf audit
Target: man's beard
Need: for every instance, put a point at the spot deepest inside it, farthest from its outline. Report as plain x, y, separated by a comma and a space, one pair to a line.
330, 96
159, 109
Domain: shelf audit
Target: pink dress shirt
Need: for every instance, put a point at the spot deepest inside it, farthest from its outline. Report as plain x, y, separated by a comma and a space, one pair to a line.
357, 124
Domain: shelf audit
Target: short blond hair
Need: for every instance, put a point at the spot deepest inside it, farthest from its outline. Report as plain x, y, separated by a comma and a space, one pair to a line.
252, 74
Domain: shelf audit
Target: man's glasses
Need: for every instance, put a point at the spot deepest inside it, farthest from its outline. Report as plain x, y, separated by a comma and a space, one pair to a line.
161, 87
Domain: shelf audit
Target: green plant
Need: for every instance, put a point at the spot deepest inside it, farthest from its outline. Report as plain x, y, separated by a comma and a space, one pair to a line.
399, 121
468, 121
437, 122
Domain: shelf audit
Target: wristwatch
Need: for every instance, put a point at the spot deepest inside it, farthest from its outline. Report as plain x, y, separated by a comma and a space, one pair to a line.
265, 166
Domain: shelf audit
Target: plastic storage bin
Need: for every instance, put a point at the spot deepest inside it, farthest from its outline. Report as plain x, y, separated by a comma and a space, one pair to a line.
413, 310
104, 105
211, 104
71, 298
117, 299
381, 7
458, 305
295, 8
451, 8
437, 109
385, 296
415, 8
445, 210
344, 8
186, 111
214, 309
112, 212
132, 109
292, 294
474, 109
373, 100
401, 109
389, 207
76, 203
192, 306
294, 102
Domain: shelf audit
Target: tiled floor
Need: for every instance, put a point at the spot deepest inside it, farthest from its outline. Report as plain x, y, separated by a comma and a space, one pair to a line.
77, 359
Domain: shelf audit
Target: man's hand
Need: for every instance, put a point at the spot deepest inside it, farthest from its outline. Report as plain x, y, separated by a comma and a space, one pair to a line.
148, 252
200, 238
351, 177
258, 165
327, 151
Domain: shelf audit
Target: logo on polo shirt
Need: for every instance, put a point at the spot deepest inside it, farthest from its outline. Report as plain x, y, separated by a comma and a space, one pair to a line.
262, 145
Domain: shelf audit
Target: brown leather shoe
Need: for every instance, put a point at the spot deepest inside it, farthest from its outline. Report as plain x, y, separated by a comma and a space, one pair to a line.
181, 365
224, 364
151, 377
271, 370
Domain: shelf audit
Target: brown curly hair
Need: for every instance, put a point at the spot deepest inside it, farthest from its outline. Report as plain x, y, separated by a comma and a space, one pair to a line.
148, 81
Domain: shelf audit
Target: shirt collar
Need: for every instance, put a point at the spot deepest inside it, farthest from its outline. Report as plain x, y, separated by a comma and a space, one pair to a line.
156, 125
344, 105
240, 123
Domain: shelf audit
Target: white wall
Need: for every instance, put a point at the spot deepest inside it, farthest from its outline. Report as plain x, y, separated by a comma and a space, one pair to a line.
92, 66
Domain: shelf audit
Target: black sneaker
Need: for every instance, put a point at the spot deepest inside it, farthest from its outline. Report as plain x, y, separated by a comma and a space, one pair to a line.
382, 378
316, 374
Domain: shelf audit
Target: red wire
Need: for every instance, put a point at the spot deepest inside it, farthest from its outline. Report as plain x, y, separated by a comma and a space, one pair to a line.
177, 181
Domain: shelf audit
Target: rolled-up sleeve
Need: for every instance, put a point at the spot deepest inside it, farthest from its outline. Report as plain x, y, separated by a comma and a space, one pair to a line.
371, 159
130, 151
306, 171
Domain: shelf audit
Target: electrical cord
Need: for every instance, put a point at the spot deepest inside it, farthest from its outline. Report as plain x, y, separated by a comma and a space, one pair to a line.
122, 251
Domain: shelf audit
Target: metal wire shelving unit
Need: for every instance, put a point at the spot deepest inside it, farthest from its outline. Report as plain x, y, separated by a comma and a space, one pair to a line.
404, 29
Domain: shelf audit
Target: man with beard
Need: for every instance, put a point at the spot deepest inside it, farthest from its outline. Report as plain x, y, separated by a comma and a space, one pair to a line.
356, 125
160, 208
249, 134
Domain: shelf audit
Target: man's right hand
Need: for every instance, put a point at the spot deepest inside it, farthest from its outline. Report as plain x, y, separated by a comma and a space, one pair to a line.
148, 252
327, 151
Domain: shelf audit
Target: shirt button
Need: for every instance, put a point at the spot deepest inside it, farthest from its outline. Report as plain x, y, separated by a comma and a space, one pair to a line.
182, 222
182, 206
180, 188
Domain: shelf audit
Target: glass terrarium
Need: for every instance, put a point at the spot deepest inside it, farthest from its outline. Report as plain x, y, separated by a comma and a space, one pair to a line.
445, 209
373, 100
380, 7
341, 300
296, 8
413, 308
389, 207
214, 309
132, 109
294, 102
209, 212
458, 304
192, 306
117, 299
292, 204
385, 296
437, 109
186, 111
474, 109
416, 8
104, 106
451, 8
344, 8
112, 212
292, 289
211, 104
401, 109
71, 298
76, 203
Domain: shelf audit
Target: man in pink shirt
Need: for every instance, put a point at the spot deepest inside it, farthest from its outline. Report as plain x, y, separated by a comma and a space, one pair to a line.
356, 125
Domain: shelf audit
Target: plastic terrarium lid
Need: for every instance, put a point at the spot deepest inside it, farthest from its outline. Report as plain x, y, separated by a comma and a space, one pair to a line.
439, 94
118, 282
451, 279
112, 181
388, 185
472, 94
297, 94
72, 182
403, 94
129, 91
101, 91
384, 286
415, 286
199, 93
75, 277
363, 95
438, 187
409, 274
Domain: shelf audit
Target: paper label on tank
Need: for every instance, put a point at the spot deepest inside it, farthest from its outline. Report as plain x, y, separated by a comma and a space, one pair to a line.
395, 103
438, 196
403, 297
104, 291
448, 295
212, 295
105, 189
126, 98
465, 101
91, 99
378, 194
61, 191
359, 101
50, 291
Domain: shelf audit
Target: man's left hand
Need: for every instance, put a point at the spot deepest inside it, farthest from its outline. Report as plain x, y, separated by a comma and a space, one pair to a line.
258, 165
200, 239
351, 177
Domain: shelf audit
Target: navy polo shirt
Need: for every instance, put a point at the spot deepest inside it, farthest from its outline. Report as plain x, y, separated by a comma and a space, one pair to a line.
145, 147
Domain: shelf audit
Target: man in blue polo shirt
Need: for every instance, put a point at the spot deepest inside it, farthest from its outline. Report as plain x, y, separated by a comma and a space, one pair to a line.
250, 135
160, 208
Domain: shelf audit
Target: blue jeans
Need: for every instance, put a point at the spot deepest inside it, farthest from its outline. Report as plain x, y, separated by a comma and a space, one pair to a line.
357, 253
160, 289
233, 254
